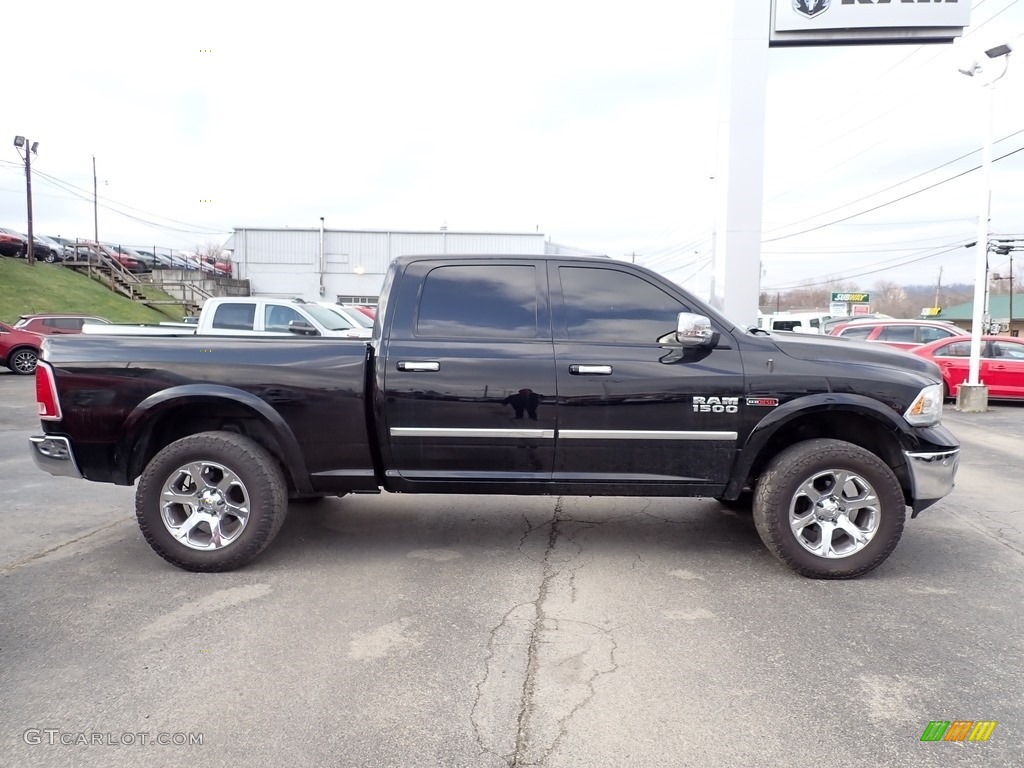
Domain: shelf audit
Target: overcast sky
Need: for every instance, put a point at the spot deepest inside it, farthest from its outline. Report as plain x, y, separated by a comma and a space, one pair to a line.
592, 122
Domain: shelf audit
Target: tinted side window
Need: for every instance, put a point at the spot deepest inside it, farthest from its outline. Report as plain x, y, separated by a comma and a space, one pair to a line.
276, 318
69, 323
235, 317
1006, 350
857, 331
956, 349
934, 334
609, 305
904, 333
479, 301
785, 325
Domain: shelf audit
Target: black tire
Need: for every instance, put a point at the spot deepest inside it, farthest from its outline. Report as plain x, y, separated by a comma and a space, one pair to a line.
23, 361
220, 459
829, 469
50, 257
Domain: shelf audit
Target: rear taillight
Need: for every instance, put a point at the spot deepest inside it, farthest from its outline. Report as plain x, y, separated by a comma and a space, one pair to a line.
46, 393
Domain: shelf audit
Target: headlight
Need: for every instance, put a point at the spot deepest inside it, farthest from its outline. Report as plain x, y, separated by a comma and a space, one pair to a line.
927, 407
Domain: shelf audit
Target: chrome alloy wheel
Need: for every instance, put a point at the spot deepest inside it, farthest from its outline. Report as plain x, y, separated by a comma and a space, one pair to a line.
23, 361
204, 505
834, 513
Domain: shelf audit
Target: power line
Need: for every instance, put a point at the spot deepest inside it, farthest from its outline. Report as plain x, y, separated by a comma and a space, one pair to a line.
155, 225
840, 276
882, 205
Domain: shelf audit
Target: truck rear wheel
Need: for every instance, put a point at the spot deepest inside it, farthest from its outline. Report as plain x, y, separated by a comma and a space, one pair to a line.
211, 501
829, 509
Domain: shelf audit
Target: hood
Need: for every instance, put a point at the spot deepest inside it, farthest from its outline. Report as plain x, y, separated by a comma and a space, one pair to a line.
836, 349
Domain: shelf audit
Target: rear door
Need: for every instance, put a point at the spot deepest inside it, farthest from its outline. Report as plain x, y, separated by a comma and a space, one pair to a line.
468, 372
633, 405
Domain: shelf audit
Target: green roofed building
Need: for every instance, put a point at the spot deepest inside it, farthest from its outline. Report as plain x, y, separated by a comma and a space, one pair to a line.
998, 309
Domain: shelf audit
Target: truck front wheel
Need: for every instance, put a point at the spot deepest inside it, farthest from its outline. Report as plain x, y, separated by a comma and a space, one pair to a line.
829, 509
211, 501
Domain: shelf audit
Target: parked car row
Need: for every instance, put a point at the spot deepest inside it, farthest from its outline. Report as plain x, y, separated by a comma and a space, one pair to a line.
15, 244
61, 249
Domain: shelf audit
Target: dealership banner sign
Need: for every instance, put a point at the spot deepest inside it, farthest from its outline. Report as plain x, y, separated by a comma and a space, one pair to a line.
840, 22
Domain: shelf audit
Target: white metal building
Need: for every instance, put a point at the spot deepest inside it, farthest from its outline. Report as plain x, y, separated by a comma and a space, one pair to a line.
349, 265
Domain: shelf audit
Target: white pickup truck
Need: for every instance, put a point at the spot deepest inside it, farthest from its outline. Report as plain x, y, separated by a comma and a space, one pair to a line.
249, 316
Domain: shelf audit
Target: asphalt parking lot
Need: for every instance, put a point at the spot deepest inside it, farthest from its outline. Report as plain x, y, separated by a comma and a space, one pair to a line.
500, 631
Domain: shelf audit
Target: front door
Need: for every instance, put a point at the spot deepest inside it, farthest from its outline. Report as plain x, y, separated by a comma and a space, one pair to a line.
633, 405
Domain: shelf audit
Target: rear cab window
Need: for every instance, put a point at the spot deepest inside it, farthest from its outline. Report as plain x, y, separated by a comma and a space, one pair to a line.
479, 301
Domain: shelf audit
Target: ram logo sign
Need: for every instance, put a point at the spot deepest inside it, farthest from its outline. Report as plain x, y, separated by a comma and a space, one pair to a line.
837, 22
810, 8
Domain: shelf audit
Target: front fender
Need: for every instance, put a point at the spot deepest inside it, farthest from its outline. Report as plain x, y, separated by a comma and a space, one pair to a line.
146, 412
806, 408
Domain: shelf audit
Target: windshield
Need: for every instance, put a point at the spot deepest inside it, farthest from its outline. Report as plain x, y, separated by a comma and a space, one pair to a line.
328, 318
359, 318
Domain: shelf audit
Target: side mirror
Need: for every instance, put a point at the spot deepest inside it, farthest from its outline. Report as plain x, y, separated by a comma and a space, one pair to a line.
695, 330
302, 328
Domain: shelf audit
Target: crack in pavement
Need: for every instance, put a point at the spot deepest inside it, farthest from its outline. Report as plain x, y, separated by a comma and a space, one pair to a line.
543, 689
476, 715
529, 681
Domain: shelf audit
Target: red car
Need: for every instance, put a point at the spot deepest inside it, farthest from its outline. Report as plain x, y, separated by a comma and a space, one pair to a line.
46, 324
901, 334
370, 312
12, 243
19, 350
1001, 369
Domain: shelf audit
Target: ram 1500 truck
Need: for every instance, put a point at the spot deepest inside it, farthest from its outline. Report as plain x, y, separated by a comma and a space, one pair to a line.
506, 375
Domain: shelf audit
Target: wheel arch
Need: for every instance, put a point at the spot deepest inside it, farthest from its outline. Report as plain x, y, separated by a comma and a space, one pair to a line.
855, 419
178, 412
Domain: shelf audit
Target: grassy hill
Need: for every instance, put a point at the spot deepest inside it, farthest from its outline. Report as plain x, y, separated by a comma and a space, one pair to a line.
53, 288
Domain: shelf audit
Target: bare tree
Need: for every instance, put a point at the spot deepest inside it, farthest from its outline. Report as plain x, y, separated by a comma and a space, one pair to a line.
892, 299
211, 250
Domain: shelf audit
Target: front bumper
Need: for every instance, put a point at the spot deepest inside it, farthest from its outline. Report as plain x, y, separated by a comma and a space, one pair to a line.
53, 454
932, 476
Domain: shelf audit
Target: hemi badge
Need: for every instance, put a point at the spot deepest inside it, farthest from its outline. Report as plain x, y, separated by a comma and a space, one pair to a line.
771, 402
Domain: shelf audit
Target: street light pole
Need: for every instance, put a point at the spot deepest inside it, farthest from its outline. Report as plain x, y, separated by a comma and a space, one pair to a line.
973, 396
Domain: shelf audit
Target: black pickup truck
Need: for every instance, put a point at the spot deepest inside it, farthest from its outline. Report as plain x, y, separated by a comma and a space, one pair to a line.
506, 375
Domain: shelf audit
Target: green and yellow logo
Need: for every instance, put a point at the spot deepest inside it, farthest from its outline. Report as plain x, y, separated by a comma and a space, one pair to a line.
958, 730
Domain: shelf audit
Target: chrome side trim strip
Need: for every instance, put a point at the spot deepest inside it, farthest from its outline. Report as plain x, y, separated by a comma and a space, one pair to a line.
641, 434
542, 434
568, 434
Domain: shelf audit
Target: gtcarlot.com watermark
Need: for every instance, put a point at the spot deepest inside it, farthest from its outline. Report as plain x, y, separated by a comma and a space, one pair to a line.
54, 736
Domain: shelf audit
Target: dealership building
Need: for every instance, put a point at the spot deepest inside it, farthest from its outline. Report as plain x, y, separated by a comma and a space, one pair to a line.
348, 266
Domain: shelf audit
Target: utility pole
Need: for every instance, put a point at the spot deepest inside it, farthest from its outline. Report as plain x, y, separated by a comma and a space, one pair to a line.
95, 206
938, 288
30, 149
95, 219
28, 194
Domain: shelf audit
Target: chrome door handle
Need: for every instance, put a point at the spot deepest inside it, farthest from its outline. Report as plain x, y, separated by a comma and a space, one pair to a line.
409, 365
577, 369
